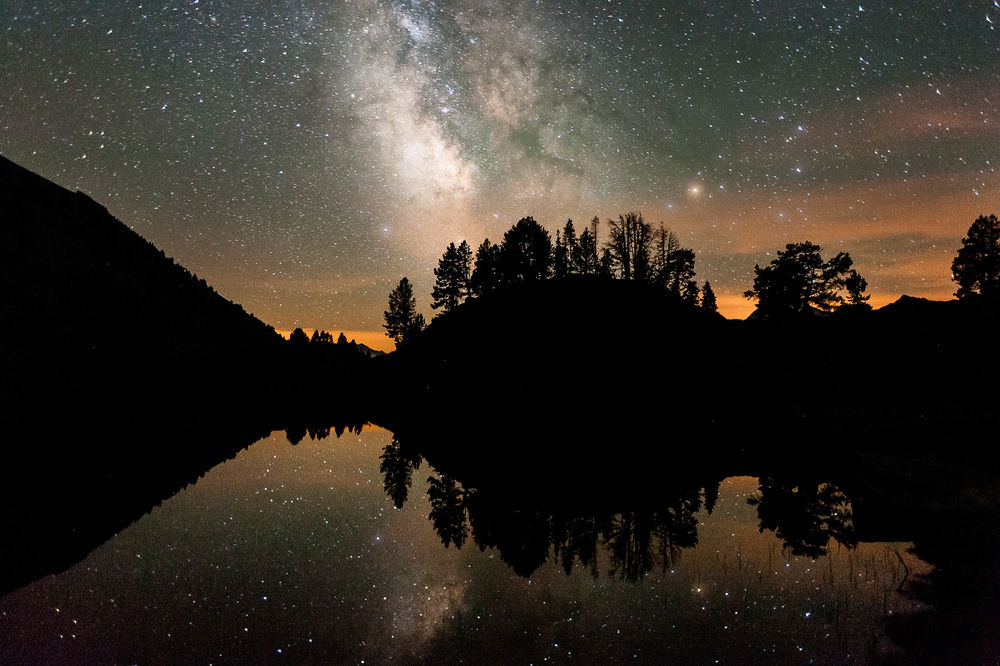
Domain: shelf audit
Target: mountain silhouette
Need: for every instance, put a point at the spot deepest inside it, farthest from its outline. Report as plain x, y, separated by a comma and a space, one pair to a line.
84, 295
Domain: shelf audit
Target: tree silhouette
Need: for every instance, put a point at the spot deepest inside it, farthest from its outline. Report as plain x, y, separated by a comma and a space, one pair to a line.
629, 241
680, 275
805, 515
572, 246
486, 273
341, 339
321, 337
586, 258
526, 252
448, 511
976, 268
298, 337
665, 245
708, 298
560, 258
856, 286
799, 279
451, 277
606, 266
416, 325
402, 321
397, 468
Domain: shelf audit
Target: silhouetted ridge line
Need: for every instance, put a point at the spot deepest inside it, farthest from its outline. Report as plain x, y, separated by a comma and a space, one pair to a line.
99, 322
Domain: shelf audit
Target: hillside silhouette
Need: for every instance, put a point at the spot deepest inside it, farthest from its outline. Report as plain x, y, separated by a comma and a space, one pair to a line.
96, 315
590, 360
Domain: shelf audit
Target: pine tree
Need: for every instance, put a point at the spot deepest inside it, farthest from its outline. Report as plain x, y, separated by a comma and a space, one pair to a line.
679, 277
798, 279
976, 268
526, 252
586, 259
465, 268
485, 275
402, 322
708, 298
572, 246
560, 258
856, 286
451, 277
666, 245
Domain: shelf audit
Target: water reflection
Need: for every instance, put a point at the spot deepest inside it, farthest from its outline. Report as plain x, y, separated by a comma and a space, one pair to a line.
807, 515
341, 548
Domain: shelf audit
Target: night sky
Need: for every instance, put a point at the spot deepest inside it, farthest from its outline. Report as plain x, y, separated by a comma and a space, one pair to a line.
302, 156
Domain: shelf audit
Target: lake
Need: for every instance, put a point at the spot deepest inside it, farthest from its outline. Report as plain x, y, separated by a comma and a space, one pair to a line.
296, 554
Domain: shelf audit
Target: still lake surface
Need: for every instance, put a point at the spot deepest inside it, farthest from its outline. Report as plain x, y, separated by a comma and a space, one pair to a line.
295, 554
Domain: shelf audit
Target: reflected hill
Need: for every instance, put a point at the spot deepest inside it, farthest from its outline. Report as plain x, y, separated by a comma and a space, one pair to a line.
639, 521
67, 489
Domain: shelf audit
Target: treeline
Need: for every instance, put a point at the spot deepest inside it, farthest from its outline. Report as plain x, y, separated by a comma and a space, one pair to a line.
634, 251
797, 281
323, 340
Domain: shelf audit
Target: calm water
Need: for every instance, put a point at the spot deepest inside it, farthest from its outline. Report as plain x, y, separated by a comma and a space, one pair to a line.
293, 554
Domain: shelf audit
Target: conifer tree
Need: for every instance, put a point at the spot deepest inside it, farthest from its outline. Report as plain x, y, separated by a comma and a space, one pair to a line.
666, 245
485, 275
976, 268
560, 258
680, 274
708, 298
856, 286
402, 321
572, 246
586, 258
798, 279
526, 252
451, 277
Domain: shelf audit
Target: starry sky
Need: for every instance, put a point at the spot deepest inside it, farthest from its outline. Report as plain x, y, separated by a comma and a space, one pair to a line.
302, 156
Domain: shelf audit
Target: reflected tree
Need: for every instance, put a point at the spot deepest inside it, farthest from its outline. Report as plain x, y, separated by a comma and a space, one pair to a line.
448, 511
629, 542
522, 536
806, 515
397, 469
576, 538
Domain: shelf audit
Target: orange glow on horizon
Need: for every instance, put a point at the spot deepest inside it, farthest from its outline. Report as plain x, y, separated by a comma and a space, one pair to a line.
377, 340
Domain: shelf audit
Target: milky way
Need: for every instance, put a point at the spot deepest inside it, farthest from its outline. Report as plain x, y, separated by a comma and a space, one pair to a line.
303, 156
